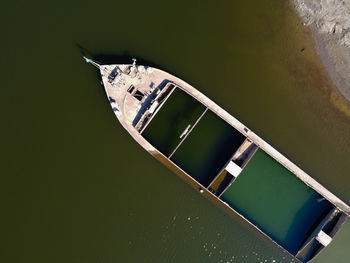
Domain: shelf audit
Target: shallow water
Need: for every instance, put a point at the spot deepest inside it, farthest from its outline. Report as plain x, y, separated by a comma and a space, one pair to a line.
76, 188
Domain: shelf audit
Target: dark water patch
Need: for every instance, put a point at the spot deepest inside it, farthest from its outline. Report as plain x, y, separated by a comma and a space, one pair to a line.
208, 148
165, 130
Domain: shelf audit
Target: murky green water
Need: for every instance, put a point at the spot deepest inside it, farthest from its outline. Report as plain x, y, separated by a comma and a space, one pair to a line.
76, 188
276, 201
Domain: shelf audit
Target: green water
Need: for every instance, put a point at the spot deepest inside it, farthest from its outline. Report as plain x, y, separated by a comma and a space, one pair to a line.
76, 188
276, 201
207, 148
171, 120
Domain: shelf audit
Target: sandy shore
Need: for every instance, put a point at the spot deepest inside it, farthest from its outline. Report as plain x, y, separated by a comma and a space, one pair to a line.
330, 24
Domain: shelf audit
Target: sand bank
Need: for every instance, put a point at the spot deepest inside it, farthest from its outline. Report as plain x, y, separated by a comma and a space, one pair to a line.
330, 24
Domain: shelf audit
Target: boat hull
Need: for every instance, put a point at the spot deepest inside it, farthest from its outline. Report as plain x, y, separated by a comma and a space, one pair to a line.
133, 112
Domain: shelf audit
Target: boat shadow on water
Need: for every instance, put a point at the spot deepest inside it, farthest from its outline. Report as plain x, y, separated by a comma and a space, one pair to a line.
120, 58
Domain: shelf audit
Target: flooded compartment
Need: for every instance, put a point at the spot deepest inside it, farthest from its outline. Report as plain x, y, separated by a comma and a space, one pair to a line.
322, 235
233, 167
208, 148
178, 114
220, 183
275, 200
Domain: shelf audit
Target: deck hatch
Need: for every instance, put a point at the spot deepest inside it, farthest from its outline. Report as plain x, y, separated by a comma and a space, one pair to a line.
233, 169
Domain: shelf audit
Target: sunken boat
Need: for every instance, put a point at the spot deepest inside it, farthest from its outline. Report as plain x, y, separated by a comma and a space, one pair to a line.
223, 159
